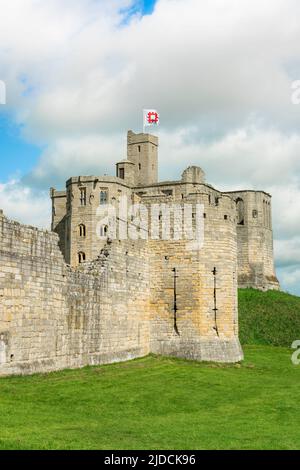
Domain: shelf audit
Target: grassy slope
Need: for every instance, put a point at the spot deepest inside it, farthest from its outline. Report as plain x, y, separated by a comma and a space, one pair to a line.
268, 317
157, 403
165, 403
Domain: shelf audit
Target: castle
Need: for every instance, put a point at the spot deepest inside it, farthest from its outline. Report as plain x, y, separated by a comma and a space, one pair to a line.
81, 296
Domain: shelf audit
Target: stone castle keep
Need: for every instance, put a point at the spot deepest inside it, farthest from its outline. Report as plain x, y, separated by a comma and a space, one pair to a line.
74, 298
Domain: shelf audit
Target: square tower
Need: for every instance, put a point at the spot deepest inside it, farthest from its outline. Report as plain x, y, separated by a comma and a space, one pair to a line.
142, 150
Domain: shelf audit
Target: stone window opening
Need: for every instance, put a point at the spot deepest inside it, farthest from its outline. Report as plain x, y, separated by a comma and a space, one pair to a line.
103, 198
82, 230
139, 149
225, 217
104, 231
240, 208
81, 257
168, 192
121, 173
83, 196
254, 214
266, 213
140, 166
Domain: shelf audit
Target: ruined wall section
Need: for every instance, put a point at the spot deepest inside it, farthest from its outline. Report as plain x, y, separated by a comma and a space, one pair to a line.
59, 216
54, 317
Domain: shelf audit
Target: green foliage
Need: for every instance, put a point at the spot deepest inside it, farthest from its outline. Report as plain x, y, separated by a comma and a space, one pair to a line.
271, 317
157, 403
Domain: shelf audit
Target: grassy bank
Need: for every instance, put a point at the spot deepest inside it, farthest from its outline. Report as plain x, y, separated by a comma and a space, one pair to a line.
165, 403
268, 317
157, 403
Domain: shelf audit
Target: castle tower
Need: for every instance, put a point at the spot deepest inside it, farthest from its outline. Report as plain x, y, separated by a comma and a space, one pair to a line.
142, 150
125, 169
201, 280
255, 240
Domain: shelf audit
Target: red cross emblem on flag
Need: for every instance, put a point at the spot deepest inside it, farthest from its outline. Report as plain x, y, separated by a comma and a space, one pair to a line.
151, 117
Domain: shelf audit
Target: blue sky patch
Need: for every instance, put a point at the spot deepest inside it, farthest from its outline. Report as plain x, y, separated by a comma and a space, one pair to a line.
17, 157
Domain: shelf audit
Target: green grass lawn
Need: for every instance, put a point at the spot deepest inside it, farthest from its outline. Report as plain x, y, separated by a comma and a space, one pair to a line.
157, 403
165, 403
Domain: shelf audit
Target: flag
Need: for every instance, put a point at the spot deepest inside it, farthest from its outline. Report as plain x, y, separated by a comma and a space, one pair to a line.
151, 117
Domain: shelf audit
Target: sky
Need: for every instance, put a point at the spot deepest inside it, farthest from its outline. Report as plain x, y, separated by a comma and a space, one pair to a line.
79, 72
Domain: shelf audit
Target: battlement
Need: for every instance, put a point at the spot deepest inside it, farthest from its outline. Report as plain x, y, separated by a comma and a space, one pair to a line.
141, 138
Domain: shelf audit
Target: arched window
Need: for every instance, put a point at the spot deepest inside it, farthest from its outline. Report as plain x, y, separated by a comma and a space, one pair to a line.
82, 230
81, 257
103, 197
104, 231
267, 214
240, 209
83, 196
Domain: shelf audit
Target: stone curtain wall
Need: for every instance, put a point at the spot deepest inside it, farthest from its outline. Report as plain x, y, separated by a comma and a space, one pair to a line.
121, 305
54, 317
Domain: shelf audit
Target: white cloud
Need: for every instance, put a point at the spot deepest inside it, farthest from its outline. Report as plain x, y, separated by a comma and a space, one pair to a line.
88, 155
248, 157
25, 205
290, 279
213, 63
219, 71
288, 252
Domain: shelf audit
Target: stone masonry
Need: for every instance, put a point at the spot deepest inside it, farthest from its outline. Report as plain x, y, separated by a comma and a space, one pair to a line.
79, 297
